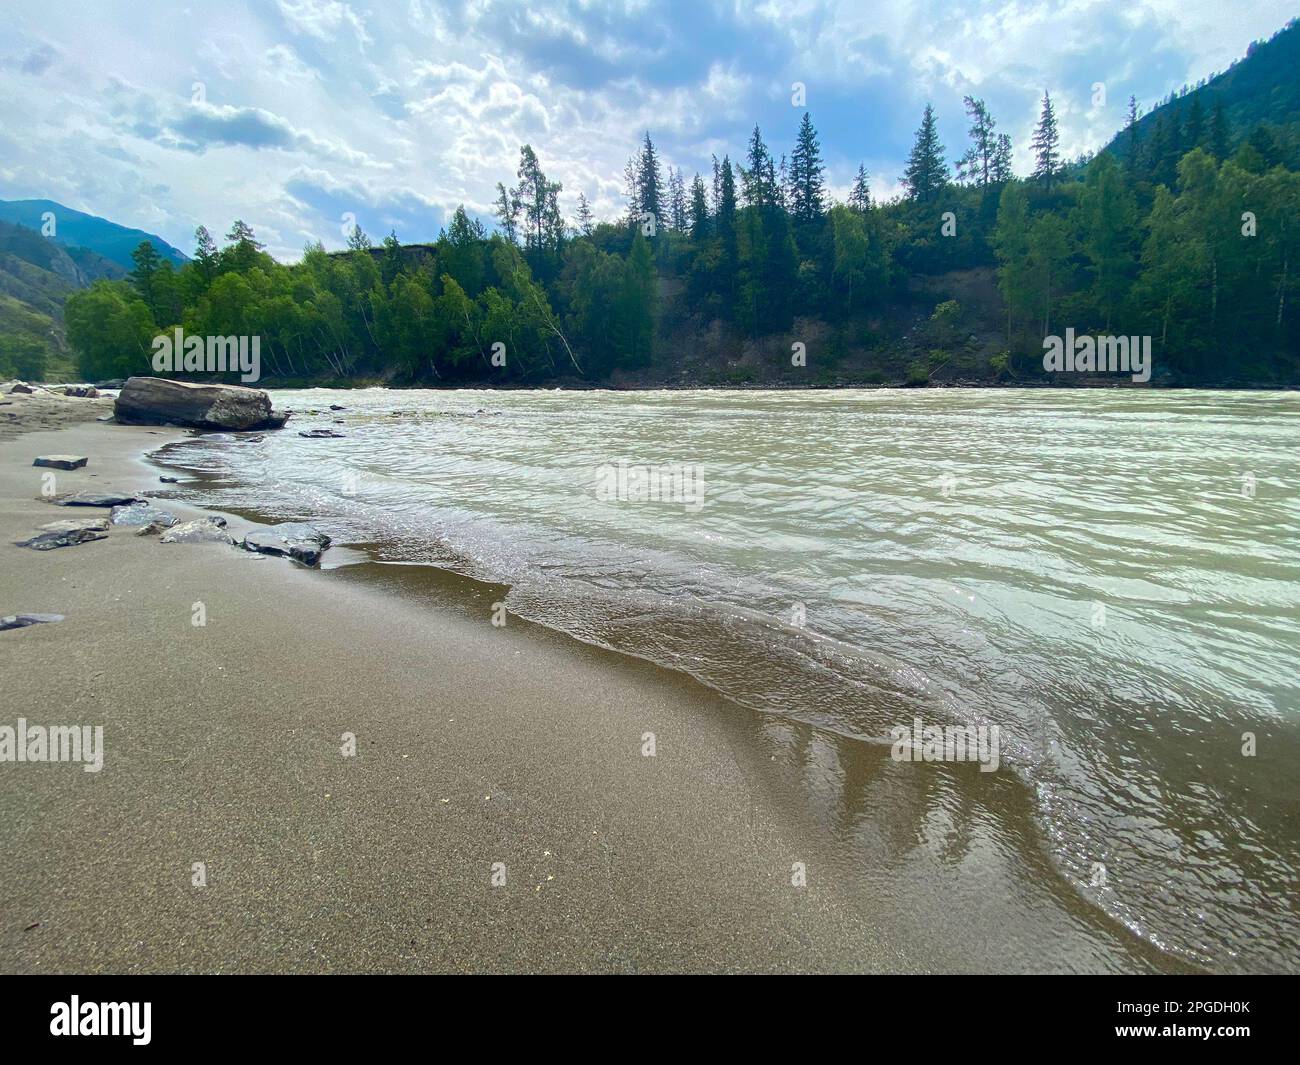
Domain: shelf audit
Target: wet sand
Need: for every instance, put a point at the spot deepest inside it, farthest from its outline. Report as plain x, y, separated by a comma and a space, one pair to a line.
475, 745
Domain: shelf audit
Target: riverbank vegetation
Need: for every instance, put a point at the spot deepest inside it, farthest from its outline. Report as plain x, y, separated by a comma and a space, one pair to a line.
1184, 229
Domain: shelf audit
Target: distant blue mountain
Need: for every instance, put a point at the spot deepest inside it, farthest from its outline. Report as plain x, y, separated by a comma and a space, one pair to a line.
76, 229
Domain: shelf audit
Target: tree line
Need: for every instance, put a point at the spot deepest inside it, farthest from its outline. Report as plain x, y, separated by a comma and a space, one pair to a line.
1189, 235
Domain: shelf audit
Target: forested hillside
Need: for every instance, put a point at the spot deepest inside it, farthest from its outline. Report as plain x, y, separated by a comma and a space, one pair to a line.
1186, 231
36, 277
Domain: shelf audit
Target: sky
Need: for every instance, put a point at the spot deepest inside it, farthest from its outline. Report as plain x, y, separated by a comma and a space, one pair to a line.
304, 116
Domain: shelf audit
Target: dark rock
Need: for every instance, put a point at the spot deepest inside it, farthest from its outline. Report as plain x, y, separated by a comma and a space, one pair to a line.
335, 406
98, 499
80, 391
292, 539
157, 401
67, 534
321, 434
61, 462
200, 531
21, 621
142, 514
169, 480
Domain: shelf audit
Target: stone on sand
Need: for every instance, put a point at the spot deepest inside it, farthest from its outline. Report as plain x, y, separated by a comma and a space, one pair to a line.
61, 462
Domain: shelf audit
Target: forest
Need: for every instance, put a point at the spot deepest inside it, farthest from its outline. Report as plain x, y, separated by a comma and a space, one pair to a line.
1184, 229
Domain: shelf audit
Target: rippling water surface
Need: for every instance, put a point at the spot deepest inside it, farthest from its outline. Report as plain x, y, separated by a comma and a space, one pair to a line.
1111, 577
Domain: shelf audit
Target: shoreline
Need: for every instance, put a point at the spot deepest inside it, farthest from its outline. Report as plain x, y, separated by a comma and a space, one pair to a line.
229, 744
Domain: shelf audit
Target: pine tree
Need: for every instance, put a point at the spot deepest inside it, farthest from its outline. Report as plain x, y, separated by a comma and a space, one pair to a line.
677, 200
699, 211
243, 246
584, 215
148, 263
357, 239
1131, 129
860, 194
976, 165
205, 253
1000, 169
507, 212
650, 190
538, 200
807, 175
926, 172
1047, 145
758, 179
728, 247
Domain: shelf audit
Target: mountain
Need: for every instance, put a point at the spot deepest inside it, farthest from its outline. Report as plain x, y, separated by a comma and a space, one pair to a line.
36, 276
1261, 89
76, 229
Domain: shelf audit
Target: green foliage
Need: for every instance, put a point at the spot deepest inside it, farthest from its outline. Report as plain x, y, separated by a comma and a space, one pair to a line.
1100, 248
111, 329
926, 173
23, 357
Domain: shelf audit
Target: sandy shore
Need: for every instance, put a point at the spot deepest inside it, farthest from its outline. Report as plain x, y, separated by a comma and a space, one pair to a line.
475, 745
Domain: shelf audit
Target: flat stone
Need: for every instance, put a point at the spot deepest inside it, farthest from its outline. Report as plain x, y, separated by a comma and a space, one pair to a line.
21, 621
97, 499
61, 462
142, 514
66, 534
72, 524
320, 434
201, 531
291, 539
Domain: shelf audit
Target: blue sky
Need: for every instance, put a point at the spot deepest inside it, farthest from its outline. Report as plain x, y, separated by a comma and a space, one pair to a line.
299, 115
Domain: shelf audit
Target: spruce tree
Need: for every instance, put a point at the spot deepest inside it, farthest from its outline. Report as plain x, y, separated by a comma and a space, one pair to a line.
807, 175
584, 215
926, 172
757, 180
1001, 165
1131, 130
1047, 145
860, 194
699, 210
650, 188
677, 200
